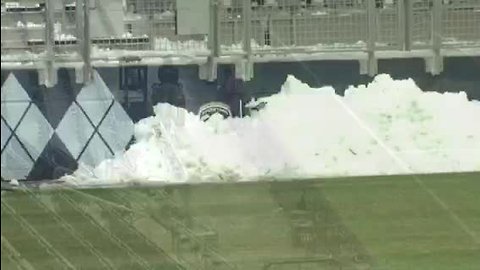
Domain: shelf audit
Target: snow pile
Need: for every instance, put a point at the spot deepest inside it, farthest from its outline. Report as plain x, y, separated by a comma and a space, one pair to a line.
387, 127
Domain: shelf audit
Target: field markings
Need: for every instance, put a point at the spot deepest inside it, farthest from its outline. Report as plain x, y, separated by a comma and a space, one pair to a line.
113, 209
15, 255
49, 248
117, 241
107, 263
140, 210
404, 166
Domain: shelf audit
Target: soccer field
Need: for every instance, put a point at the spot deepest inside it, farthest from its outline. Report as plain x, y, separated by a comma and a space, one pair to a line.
389, 222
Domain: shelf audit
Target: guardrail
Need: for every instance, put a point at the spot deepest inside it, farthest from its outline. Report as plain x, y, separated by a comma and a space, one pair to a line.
129, 32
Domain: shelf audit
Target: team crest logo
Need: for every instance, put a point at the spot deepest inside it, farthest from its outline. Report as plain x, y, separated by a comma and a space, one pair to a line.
209, 109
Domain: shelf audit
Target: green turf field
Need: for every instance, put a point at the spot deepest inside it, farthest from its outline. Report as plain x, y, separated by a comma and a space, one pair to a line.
391, 222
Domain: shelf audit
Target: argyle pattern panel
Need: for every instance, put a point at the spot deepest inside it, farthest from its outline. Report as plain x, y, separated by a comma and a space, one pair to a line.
47, 132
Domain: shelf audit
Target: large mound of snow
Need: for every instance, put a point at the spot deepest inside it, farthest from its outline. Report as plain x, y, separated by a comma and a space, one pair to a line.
387, 127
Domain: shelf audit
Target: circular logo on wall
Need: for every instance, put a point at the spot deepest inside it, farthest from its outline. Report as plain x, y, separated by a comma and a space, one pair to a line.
209, 109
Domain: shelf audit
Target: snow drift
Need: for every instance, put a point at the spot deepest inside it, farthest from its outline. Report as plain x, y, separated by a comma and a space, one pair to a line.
386, 127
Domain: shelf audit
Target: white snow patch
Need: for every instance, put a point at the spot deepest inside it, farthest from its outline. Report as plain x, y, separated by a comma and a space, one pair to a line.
59, 36
305, 132
320, 13
127, 35
197, 46
22, 25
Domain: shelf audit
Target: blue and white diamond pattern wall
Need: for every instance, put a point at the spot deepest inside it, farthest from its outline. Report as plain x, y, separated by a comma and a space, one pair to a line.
15, 101
31, 131
13, 111
117, 128
95, 152
95, 126
74, 130
16, 164
5, 133
95, 99
34, 131
13, 91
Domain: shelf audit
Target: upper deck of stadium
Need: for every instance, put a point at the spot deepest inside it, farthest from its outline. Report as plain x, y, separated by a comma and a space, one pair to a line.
50, 34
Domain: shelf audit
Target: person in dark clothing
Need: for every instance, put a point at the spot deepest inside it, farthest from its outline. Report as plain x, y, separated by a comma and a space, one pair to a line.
169, 90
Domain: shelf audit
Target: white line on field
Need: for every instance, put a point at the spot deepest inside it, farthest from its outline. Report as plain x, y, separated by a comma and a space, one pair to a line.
116, 240
107, 263
24, 264
50, 249
407, 169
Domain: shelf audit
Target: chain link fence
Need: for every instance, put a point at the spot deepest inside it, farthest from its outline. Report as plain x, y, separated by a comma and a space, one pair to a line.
389, 24
23, 29
149, 26
461, 23
157, 27
420, 18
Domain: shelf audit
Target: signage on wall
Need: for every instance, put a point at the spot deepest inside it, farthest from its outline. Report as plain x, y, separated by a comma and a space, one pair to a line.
209, 109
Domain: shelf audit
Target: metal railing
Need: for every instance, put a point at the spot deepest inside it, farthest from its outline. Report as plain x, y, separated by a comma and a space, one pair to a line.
54, 30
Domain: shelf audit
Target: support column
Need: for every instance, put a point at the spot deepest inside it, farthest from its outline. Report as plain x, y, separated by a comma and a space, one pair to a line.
247, 28
49, 78
408, 10
401, 18
435, 64
82, 17
208, 71
87, 72
372, 37
244, 69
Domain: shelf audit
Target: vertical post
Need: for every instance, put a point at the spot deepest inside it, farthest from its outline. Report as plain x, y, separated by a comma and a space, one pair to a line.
64, 14
208, 71
49, 29
437, 25
244, 68
293, 33
213, 38
234, 31
268, 37
437, 61
127, 89
79, 24
371, 25
152, 34
247, 23
372, 36
87, 68
401, 24
408, 10
50, 78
